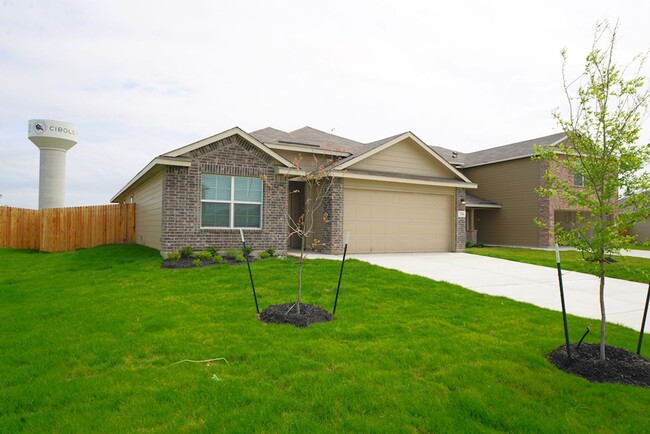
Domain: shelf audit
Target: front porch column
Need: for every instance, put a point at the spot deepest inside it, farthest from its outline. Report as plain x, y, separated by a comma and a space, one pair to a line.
333, 207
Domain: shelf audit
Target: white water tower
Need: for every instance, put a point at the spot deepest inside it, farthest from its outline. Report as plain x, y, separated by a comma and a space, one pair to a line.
54, 139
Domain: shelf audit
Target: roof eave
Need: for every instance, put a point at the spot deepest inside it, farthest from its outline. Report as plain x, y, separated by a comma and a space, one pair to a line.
148, 171
223, 135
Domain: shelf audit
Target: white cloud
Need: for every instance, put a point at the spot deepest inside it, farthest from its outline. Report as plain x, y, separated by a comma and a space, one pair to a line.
141, 78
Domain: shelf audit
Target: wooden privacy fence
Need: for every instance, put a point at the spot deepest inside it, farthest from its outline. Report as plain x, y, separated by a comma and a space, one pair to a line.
63, 229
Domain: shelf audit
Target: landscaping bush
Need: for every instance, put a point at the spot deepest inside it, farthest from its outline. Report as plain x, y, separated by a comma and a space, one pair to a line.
240, 258
213, 251
217, 259
174, 257
204, 255
232, 252
264, 255
186, 252
197, 262
271, 252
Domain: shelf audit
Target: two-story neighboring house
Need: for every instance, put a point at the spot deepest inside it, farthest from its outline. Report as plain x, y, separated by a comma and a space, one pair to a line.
508, 176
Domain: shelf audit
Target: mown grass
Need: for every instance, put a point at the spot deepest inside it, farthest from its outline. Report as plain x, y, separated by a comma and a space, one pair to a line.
89, 340
641, 246
625, 267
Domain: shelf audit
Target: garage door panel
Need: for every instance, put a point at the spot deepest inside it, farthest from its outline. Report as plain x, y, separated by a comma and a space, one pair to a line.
392, 221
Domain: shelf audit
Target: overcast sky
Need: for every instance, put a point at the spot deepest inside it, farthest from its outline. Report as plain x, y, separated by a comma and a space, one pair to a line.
140, 78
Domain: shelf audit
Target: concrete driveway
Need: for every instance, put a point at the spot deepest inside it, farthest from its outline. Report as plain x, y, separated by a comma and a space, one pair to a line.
624, 300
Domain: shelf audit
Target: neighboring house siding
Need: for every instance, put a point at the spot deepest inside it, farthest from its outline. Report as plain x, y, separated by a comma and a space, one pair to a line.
148, 212
404, 157
642, 231
511, 184
182, 198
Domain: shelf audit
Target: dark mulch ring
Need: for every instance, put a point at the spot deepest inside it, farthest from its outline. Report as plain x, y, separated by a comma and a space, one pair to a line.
621, 366
187, 262
288, 314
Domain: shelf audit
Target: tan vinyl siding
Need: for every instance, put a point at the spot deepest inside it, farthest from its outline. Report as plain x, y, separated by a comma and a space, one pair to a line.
305, 160
395, 186
148, 220
511, 184
404, 157
642, 231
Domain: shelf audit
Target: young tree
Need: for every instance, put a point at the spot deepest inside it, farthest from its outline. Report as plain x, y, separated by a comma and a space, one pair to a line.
605, 117
315, 176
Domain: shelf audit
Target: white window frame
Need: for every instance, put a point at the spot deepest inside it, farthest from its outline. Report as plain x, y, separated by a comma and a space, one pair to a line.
232, 202
578, 179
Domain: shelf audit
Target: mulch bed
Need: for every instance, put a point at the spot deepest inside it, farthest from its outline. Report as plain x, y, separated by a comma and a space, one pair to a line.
187, 262
288, 314
621, 366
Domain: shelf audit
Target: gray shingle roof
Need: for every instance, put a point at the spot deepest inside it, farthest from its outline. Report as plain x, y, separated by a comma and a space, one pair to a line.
308, 136
472, 201
512, 151
454, 158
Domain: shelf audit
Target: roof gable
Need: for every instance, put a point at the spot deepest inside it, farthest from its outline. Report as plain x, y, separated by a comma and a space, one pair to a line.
409, 155
178, 157
223, 135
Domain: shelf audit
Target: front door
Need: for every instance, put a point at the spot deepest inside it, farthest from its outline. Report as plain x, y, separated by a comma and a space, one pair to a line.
296, 209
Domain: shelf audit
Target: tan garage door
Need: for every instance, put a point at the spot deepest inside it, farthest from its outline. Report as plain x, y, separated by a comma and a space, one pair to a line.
391, 221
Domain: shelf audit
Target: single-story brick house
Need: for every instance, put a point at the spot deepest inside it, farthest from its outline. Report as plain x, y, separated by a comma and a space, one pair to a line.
394, 195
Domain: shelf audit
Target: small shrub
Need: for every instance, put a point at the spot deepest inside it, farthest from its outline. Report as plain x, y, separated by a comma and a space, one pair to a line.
232, 252
186, 252
197, 262
213, 251
173, 257
271, 252
264, 255
204, 255
240, 258
217, 259
247, 251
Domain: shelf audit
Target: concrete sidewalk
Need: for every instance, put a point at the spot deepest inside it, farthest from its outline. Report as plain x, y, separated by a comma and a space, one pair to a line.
624, 300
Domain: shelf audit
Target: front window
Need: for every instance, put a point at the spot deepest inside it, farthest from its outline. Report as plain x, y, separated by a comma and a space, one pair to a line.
231, 202
578, 180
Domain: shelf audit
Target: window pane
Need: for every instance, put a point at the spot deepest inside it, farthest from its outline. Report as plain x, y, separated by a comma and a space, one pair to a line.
248, 189
578, 180
215, 187
247, 216
215, 214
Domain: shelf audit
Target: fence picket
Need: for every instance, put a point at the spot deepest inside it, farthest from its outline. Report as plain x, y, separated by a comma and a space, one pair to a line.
62, 229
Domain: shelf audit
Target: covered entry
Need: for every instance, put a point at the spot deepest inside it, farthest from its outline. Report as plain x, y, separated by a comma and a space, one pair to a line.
398, 218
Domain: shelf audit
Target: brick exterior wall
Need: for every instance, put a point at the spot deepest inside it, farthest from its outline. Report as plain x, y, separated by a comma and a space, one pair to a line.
548, 205
333, 228
461, 231
181, 204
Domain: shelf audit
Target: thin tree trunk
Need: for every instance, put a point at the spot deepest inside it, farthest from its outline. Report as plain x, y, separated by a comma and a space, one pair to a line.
302, 261
602, 311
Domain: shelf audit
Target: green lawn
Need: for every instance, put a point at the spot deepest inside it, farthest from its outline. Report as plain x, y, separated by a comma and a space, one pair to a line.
625, 267
89, 340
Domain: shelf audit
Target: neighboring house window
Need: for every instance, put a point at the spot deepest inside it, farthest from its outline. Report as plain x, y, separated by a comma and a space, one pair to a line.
231, 202
578, 180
